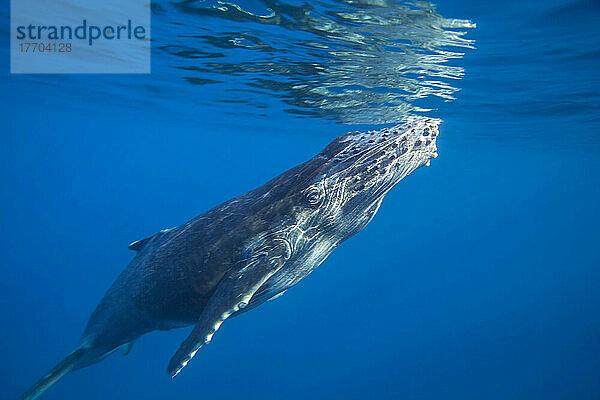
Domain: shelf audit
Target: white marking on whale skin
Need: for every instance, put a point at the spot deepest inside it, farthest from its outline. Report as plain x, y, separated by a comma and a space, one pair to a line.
182, 366
218, 325
278, 295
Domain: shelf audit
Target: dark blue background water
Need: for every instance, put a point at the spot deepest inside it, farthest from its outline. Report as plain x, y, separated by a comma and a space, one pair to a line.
477, 279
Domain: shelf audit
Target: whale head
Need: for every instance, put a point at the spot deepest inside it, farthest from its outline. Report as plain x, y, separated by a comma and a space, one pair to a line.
357, 170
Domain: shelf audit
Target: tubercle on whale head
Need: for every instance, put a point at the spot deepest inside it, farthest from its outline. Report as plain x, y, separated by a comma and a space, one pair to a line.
376, 160
417, 135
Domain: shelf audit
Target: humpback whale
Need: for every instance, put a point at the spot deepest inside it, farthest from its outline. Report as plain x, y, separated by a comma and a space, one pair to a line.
249, 249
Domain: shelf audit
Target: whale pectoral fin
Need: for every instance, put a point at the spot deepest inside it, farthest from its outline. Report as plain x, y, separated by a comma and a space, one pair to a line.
233, 293
258, 299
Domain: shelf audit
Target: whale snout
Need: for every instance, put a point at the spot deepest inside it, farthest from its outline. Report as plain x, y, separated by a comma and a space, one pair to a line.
415, 139
422, 136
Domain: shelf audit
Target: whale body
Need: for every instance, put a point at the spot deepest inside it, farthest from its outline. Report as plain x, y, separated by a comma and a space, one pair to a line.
249, 249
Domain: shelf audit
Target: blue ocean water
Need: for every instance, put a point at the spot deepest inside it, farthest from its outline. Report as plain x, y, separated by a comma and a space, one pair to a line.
477, 279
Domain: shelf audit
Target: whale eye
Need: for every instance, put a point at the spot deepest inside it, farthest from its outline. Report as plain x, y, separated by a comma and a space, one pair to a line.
314, 196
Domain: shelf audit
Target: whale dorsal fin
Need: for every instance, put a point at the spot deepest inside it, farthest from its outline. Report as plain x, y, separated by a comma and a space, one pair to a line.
139, 244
